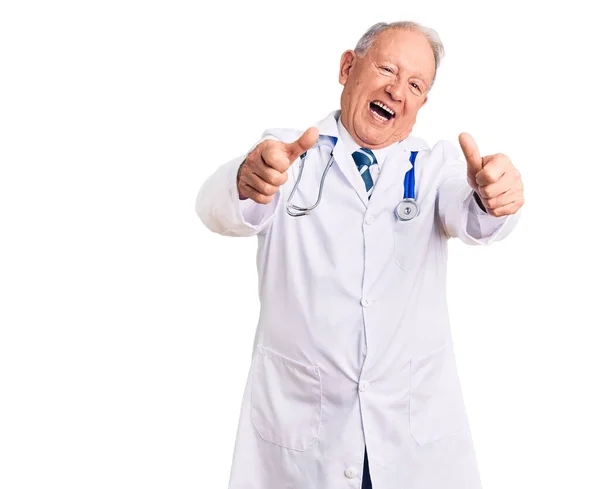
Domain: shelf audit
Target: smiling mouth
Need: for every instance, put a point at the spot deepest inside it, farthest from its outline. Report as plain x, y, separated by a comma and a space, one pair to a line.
381, 111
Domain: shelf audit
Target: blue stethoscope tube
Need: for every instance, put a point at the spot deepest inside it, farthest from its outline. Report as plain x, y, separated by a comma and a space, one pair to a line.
408, 209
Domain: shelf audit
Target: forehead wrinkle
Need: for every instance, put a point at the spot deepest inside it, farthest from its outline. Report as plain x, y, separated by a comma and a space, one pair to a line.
399, 46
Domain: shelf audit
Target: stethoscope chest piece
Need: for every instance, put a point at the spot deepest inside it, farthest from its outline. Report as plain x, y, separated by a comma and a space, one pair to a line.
407, 210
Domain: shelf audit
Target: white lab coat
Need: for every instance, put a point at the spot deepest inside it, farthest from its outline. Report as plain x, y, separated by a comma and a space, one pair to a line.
353, 342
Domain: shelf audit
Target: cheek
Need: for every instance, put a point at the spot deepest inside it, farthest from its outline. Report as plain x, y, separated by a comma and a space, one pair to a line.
355, 90
413, 106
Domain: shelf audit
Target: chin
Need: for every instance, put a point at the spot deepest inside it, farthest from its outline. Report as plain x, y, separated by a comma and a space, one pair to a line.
372, 138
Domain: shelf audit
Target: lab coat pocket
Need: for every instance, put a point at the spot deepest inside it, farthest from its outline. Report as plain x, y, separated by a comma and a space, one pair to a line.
437, 409
286, 400
405, 239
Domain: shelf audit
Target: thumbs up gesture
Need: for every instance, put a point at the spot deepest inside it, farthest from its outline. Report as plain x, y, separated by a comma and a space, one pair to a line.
494, 178
264, 170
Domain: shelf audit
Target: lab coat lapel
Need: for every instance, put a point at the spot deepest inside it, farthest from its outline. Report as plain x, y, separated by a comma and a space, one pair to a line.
393, 171
342, 157
346, 164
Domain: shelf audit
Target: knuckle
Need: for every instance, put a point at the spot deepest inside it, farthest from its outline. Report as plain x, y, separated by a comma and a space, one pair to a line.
495, 175
267, 145
267, 154
274, 159
261, 199
260, 148
503, 160
486, 174
264, 188
279, 178
270, 189
273, 177
486, 192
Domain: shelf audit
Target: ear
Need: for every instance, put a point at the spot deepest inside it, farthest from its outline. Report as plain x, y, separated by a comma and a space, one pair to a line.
346, 64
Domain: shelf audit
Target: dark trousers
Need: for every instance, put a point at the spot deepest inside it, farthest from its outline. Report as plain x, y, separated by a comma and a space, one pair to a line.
366, 481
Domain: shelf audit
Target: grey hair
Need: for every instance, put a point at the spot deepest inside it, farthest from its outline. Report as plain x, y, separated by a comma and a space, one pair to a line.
365, 42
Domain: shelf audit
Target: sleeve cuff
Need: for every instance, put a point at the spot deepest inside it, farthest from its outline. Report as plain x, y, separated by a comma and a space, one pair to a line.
479, 202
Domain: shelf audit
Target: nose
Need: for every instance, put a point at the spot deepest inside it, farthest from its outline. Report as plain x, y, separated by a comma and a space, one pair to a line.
396, 90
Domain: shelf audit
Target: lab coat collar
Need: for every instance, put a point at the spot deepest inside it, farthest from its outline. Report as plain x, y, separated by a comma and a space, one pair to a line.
328, 126
341, 155
397, 161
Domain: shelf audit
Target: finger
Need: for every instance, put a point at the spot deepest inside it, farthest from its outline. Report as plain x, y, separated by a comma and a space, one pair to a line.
258, 184
495, 167
487, 176
270, 175
303, 144
506, 182
503, 199
275, 156
471, 152
506, 210
252, 194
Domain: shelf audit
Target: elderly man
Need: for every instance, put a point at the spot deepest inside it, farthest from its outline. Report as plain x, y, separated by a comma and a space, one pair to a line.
353, 381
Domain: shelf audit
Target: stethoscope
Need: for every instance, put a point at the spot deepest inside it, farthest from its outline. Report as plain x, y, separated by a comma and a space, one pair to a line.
406, 210
294, 210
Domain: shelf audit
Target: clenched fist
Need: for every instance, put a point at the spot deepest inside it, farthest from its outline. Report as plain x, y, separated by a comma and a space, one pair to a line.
264, 170
494, 178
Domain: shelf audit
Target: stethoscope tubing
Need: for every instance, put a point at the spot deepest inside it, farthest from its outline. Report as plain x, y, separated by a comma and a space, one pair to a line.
406, 210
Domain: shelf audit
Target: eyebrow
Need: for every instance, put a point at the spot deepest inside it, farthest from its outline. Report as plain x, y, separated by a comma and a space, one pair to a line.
418, 74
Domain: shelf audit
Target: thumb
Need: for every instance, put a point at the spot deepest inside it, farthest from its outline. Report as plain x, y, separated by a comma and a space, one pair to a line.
471, 152
303, 144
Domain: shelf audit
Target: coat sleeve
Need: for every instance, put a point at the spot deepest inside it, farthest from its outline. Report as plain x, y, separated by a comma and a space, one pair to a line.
220, 209
459, 215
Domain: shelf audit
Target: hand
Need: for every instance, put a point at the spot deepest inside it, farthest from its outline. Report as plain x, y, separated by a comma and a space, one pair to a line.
494, 178
264, 170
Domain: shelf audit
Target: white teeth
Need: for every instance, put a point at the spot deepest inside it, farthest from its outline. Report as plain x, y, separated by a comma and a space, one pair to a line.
379, 117
384, 107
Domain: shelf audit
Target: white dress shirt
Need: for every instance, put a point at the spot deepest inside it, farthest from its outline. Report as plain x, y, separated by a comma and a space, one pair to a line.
352, 146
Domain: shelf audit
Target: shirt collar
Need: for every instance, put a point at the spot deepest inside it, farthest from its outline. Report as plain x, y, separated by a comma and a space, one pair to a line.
331, 126
352, 145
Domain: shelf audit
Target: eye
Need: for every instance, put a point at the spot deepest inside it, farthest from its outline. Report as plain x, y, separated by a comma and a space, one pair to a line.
415, 86
387, 69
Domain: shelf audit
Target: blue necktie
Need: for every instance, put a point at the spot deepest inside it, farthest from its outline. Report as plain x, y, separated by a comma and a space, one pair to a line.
364, 158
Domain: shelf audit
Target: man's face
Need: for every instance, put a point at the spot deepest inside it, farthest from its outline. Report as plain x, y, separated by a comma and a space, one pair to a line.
396, 73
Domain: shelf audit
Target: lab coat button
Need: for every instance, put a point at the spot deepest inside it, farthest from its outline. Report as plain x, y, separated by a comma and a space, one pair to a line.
363, 386
350, 472
365, 302
369, 219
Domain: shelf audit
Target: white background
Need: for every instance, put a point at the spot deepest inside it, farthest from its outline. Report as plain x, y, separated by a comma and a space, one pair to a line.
126, 327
